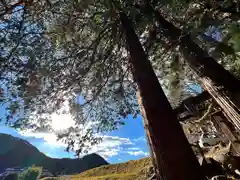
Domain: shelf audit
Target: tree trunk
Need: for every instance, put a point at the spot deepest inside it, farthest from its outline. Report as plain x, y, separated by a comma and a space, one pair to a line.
172, 153
232, 7
208, 70
191, 103
227, 134
196, 57
229, 109
148, 135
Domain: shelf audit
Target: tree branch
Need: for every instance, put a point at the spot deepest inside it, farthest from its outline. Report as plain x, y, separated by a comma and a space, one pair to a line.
9, 10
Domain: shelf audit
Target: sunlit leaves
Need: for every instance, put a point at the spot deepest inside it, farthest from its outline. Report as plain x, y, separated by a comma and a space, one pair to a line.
63, 51
67, 50
234, 40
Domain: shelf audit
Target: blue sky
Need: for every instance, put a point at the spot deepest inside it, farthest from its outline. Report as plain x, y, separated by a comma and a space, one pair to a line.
127, 143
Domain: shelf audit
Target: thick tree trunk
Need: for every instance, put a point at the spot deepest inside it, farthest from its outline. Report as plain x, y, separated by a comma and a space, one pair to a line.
191, 103
232, 7
196, 57
206, 68
228, 107
226, 131
172, 153
148, 135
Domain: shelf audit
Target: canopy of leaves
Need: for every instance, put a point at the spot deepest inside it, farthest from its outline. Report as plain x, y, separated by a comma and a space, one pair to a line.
69, 57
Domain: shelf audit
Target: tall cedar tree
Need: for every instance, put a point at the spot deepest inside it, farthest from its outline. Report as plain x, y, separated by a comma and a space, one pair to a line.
206, 67
172, 153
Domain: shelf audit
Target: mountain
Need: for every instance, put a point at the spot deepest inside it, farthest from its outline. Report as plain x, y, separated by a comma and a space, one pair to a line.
15, 152
219, 164
141, 169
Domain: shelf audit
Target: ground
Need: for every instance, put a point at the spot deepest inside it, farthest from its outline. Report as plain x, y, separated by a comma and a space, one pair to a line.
131, 170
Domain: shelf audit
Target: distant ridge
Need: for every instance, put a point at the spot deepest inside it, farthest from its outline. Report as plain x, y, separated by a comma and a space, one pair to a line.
15, 152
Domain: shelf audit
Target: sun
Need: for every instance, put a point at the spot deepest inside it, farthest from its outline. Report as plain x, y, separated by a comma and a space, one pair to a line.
61, 121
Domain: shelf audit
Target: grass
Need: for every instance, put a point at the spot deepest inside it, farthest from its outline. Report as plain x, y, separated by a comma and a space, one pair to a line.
50, 178
131, 170
127, 176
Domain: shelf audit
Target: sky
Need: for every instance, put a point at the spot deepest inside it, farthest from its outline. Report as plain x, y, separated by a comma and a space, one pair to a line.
127, 143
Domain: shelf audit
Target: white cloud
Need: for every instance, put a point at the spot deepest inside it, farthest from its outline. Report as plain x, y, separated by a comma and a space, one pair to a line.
49, 138
138, 153
134, 149
117, 140
59, 122
111, 146
139, 139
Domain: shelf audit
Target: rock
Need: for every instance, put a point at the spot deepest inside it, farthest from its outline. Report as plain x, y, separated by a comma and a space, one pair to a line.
151, 170
208, 141
148, 172
218, 152
222, 177
153, 177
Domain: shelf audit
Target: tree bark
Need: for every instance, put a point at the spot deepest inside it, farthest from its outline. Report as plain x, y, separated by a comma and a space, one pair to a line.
198, 59
229, 109
148, 135
207, 69
227, 134
232, 7
191, 102
172, 153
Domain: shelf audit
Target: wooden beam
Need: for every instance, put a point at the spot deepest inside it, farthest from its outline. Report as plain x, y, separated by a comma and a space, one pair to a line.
188, 106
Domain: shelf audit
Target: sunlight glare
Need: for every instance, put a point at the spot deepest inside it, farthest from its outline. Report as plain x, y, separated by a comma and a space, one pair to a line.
61, 121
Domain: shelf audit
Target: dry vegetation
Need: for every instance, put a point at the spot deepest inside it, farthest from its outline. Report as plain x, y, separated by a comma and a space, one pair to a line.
131, 170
